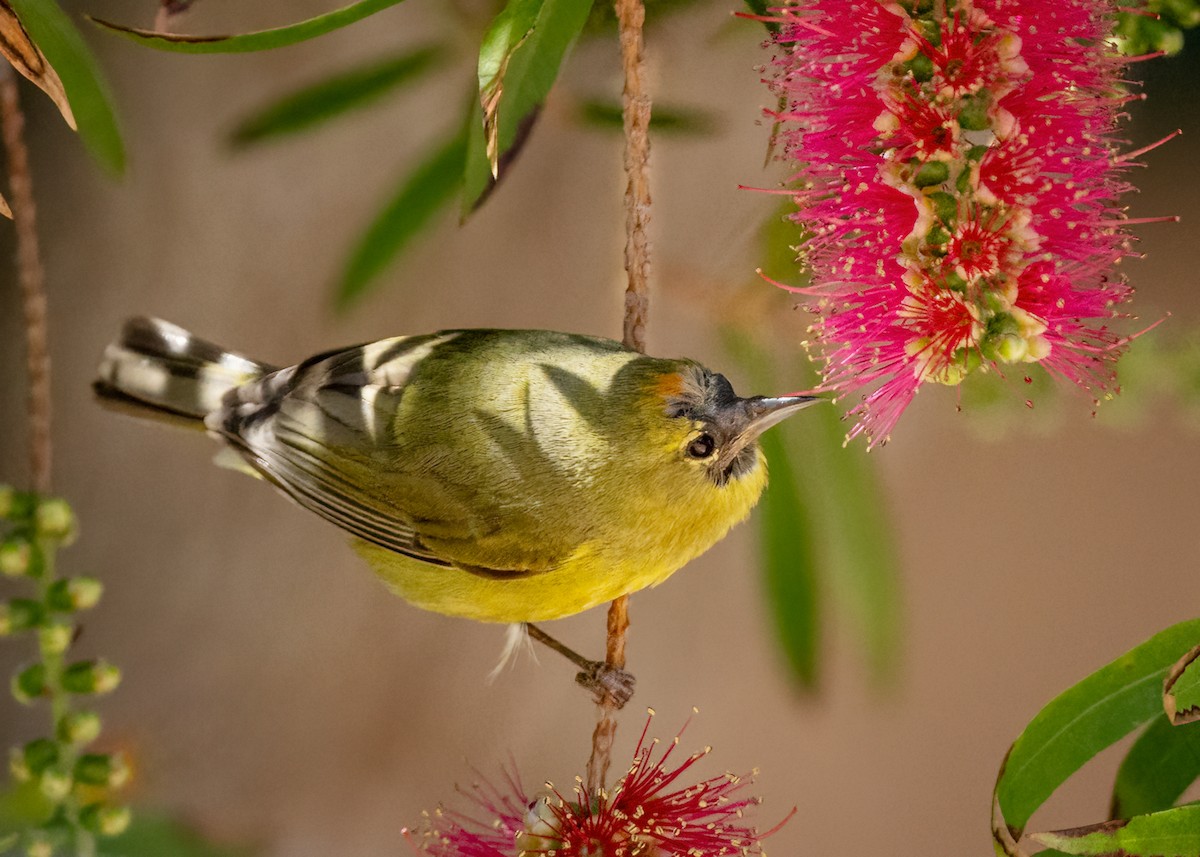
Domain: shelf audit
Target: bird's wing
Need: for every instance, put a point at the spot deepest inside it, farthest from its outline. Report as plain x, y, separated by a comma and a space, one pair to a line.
320, 433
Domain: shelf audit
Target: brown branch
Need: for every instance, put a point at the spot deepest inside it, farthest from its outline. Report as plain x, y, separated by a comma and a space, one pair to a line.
31, 278
631, 16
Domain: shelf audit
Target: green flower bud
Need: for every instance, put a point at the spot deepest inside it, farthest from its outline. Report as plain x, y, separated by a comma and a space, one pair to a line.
20, 614
56, 785
921, 67
16, 556
56, 521
931, 173
56, 637
105, 820
39, 844
102, 769
38, 756
29, 683
75, 593
974, 114
17, 767
945, 206
78, 727
91, 677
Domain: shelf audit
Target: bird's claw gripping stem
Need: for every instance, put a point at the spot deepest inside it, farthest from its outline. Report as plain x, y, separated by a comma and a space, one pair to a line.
603, 680
606, 681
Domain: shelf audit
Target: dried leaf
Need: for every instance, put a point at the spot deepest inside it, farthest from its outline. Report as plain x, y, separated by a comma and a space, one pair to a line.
7, 212
1181, 690
27, 58
1171, 833
261, 40
55, 33
518, 64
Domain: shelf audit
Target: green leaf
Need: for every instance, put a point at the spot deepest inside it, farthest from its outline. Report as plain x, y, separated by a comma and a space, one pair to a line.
279, 37
518, 64
787, 535
52, 31
426, 190
1082, 721
1171, 833
1158, 768
323, 101
856, 533
156, 836
665, 119
1181, 690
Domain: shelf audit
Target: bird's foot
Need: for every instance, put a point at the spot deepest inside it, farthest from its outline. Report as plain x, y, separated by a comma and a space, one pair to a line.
607, 682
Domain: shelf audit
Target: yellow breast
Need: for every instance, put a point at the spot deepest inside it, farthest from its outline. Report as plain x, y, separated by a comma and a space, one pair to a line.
657, 526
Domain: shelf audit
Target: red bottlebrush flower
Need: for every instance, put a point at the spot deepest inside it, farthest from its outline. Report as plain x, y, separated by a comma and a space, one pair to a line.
959, 185
648, 813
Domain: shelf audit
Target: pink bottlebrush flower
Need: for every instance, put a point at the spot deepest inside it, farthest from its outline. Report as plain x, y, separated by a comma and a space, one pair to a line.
958, 170
648, 813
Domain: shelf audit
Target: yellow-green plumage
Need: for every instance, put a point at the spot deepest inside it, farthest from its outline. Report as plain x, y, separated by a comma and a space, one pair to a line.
502, 476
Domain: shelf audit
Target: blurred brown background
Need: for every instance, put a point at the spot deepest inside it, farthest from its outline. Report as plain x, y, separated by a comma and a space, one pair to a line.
275, 693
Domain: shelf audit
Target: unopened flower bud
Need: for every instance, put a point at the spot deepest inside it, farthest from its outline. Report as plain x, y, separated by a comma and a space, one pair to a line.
15, 556
29, 683
55, 520
75, 593
78, 727
19, 614
38, 756
105, 820
91, 677
110, 770
55, 784
38, 844
56, 636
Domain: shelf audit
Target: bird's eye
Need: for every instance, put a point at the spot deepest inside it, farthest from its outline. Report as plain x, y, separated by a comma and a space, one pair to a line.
702, 446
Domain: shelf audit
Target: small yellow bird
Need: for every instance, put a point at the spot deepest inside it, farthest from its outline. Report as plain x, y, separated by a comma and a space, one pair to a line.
498, 475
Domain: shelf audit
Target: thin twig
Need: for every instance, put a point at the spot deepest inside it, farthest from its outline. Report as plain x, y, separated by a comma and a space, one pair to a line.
31, 277
631, 16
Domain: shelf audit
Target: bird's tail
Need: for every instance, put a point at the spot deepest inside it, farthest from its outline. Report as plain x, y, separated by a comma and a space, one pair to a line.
158, 369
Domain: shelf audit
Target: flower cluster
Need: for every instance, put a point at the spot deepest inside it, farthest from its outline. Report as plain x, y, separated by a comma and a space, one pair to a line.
74, 788
647, 814
958, 185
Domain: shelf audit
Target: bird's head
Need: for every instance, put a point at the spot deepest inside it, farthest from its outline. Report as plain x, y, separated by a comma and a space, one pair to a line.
712, 430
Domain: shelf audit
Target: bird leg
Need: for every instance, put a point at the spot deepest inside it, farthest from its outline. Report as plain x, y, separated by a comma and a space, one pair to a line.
602, 679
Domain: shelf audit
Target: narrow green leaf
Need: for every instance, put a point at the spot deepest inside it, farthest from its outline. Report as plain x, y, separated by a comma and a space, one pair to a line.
426, 190
323, 101
1181, 690
664, 119
1171, 833
478, 182
517, 69
856, 534
262, 40
1082, 721
787, 535
156, 836
57, 37
1157, 770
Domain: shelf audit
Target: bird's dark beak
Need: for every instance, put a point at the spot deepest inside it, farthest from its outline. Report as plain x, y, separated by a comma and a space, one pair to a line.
754, 416
765, 412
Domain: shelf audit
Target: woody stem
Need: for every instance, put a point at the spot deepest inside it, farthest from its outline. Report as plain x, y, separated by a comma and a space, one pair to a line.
631, 16
31, 279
